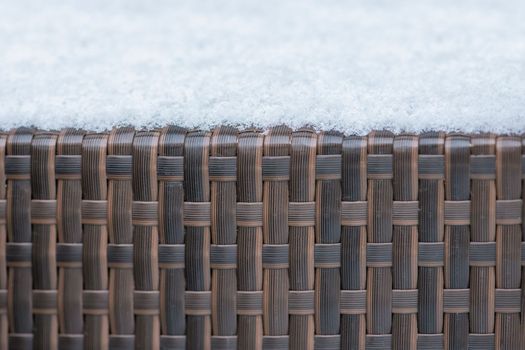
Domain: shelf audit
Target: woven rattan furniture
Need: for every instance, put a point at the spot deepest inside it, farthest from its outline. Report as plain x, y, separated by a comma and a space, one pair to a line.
178, 239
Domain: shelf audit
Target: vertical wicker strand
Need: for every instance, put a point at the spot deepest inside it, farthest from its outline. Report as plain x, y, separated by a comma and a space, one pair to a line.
302, 237
120, 251
328, 238
483, 233
43, 218
405, 242
20, 278
171, 236
457, 236
353, 243
197, 253
249, 239
431, 233
145, 241
523, 244
95, 242
379, 274
4, 326
275, 237
223, 176
508, 241
69, 202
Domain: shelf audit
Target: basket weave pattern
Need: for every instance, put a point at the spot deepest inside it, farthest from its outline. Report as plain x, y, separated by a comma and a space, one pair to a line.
174, 239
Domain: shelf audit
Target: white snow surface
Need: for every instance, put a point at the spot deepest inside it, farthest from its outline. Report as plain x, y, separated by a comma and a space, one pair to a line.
351, 65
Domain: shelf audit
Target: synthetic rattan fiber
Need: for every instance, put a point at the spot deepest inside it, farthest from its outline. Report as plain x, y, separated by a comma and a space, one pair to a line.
173, 239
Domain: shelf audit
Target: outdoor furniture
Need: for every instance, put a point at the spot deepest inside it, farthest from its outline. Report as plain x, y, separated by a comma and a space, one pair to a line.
269, 239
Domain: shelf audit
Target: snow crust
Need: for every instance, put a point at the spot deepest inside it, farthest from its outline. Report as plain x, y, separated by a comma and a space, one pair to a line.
349, 65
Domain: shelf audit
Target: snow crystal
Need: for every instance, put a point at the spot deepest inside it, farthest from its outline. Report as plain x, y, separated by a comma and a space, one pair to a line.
350, 65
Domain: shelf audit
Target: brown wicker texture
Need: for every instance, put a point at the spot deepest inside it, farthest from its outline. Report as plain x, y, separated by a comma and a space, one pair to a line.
171, 239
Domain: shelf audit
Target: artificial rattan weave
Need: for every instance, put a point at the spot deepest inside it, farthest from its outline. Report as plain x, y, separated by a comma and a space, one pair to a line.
178, 239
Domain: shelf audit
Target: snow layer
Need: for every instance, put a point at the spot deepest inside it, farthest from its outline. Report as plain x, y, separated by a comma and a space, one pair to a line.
354, 66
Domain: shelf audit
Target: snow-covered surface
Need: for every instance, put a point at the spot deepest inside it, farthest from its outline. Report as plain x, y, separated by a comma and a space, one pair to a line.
403, 65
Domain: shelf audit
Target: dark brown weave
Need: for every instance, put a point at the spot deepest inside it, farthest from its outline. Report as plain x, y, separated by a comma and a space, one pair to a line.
173, 239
